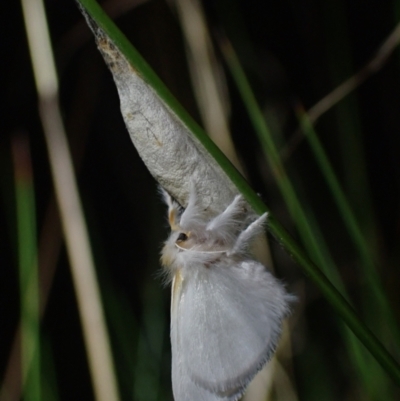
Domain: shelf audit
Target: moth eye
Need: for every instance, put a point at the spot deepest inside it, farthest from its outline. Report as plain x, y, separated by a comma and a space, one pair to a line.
182, 237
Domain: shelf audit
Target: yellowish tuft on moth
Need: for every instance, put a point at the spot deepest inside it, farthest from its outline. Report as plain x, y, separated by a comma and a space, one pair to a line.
166, 257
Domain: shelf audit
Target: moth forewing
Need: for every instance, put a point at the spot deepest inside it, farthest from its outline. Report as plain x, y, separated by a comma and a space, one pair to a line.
231, 325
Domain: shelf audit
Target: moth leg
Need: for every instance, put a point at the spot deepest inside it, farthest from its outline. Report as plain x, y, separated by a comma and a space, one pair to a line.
246, 236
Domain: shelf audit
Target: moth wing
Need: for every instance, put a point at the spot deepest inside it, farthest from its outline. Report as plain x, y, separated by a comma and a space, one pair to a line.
184, 387
229, 325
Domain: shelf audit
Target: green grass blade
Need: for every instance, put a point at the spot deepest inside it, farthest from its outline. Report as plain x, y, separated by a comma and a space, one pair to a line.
293, 204
367, 260
28, 271
50, 388
373, 377
264, 135
313, 240
334, 297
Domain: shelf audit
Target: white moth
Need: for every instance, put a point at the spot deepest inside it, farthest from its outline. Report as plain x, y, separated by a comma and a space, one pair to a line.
226, 309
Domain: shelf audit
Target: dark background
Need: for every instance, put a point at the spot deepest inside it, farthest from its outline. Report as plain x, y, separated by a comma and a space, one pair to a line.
292, 51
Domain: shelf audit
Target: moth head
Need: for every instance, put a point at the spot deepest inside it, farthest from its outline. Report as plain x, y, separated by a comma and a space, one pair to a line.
188, 231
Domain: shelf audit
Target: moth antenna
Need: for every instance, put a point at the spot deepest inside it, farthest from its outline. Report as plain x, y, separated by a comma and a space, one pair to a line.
227, 223
193, 214
173, 209
246, 236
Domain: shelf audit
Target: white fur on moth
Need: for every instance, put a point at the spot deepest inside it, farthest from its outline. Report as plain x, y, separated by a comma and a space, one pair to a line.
226, 309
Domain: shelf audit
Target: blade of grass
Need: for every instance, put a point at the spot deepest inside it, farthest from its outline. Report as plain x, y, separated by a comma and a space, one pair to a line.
288, 191
28, 271
272, 155
50, 388
145, 71
151, 337
357, 353
317, 247
72, 216
349, 127
206, 79
351, 84
334, 297
367, 260
311, 236
370, 372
